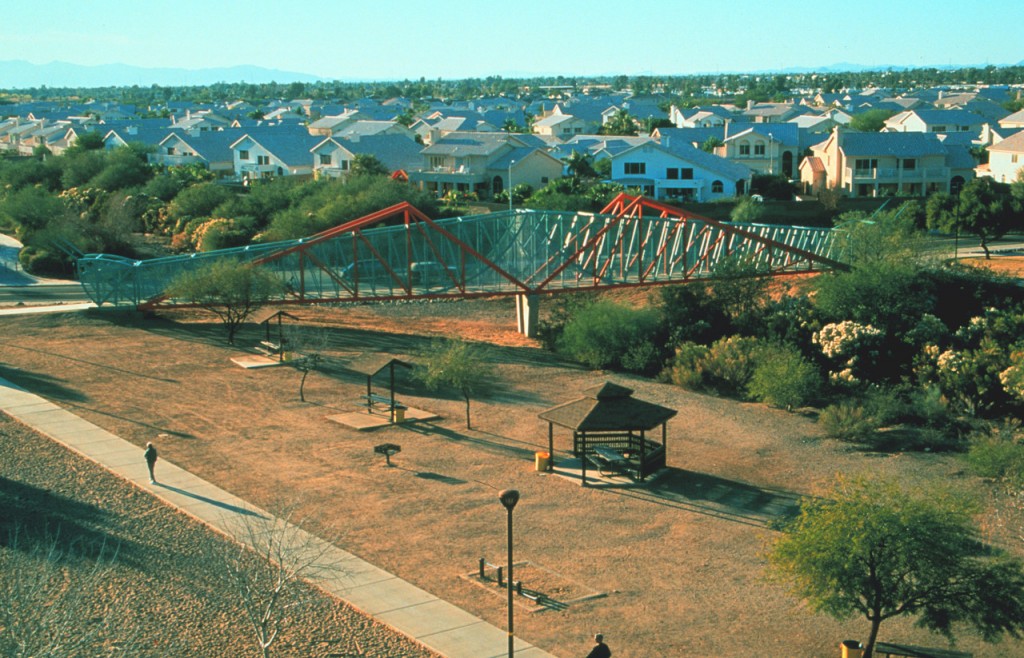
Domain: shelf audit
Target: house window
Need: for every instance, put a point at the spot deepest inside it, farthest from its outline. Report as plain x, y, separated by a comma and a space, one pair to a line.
170, 150
1013, 158
635, 168
865, 164
437, 162
243, 155
325, 159
543, 180
686, 173
744, 149
344, 165
262, 159
716, 187
672, 173
759, 149
908, 164
938, 129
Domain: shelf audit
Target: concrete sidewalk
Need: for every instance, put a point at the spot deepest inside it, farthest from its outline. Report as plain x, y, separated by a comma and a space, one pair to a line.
418, 614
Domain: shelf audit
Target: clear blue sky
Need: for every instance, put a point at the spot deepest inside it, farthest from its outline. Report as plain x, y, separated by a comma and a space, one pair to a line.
400, 39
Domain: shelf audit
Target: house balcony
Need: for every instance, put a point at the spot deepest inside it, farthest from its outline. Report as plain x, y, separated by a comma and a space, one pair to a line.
173, 160
898, 176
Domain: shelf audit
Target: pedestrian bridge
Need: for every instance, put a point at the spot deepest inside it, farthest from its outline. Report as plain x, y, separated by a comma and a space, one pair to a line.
400, 253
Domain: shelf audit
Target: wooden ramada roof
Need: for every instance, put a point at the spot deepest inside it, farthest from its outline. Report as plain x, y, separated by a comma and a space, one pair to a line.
608, 408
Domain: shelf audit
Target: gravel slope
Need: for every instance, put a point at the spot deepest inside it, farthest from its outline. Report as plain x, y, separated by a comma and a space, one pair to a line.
159, 595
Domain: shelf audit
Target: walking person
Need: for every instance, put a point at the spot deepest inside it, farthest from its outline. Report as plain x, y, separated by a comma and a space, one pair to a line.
600, 649
151, 461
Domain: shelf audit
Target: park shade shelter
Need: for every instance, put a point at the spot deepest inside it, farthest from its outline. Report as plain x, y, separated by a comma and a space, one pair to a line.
372, 365
608, 416
266, 316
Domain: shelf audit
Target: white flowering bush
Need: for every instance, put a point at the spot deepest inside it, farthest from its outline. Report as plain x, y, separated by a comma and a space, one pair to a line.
852, 346
1012, 378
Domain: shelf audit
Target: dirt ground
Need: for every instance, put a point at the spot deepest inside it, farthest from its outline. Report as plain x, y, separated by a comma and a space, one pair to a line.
680, 560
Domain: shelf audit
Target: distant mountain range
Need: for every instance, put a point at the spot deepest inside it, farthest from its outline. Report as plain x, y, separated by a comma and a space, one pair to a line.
19, 74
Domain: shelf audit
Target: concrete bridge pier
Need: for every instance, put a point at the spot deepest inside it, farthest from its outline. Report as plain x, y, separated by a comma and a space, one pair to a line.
526, 314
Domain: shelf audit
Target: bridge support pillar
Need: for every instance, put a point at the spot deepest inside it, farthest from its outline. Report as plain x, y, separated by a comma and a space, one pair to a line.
526, 314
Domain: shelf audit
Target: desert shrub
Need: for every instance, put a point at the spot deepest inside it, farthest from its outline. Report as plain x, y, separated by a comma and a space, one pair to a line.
199, 200
689, 313
730, 364
600, 335
687, 366
847, 421
782, 377
643, 358
998, 454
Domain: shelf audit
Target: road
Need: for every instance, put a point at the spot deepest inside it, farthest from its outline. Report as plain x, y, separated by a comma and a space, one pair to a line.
59, 293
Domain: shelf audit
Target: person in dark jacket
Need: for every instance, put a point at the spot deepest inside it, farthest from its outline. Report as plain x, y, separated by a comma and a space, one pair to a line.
600, 649
151, 461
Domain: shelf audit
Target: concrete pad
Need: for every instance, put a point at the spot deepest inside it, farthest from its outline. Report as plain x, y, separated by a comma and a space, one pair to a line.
364, 420
250, 361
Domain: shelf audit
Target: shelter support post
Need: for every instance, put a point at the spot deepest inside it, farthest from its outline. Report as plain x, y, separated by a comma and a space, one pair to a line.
551, 448
527, 306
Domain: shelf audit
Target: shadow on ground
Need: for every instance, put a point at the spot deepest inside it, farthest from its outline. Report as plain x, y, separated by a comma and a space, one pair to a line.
31, 517
718, 497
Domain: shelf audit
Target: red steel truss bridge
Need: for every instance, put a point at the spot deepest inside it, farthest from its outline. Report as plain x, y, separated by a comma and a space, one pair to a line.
399, 253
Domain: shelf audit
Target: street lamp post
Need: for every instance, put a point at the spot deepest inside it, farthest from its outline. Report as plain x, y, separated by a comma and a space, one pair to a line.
771, 154
510, 163
509, 498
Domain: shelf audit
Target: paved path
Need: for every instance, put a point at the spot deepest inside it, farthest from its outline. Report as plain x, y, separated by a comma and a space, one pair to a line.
436, 624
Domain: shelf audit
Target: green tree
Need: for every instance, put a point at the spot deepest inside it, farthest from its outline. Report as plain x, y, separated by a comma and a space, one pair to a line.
230, 289
875, 550
985, 210
365, 164
782, 377
580, 165
871, 120
747, 211
710, 144
456, 364
621, 123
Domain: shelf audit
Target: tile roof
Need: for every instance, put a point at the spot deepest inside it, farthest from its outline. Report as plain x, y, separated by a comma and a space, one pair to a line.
291, 143
394, 151
1012, 144
893, 144
467, 143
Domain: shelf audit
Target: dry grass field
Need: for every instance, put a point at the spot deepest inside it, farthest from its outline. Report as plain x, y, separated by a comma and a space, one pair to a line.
679, 559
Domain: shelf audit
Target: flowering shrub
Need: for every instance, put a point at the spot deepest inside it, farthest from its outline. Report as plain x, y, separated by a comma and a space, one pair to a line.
1012, 378
852, 346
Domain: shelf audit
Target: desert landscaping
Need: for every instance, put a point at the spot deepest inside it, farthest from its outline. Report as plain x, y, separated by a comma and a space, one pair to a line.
678, 560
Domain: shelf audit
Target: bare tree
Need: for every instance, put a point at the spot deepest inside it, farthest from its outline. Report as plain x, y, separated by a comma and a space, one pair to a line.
268, 569
307, 346
48, 590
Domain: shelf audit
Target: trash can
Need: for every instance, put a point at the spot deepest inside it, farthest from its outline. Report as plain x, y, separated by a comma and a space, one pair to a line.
399, 414
543, 461
852, 649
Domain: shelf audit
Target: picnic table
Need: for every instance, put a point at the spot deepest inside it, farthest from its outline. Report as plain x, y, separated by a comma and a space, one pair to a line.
608, 461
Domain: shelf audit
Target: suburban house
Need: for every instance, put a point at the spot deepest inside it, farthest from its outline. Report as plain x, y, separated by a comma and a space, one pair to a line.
935, 121
270, 152
366, 128
1015, 120
885, 164
700, 117
563, 126
771, 112
767, 148
210, 149
483, 163
679, 172
327, 126
1006, 159
333, 156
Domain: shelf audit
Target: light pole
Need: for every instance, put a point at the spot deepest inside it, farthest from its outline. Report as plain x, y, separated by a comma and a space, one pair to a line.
510, 163
509, 498
771, 154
